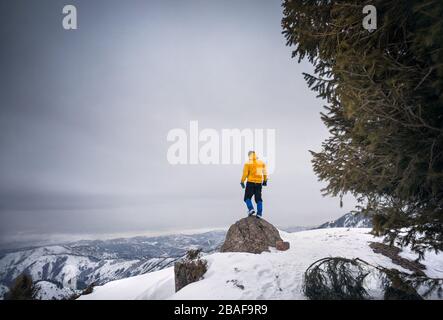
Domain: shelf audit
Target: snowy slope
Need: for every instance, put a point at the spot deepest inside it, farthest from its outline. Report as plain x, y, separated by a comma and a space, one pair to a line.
349, 220
270, 275
153, 285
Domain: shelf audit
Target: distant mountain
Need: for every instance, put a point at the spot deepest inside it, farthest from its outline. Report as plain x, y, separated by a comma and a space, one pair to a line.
294, 229
349, 220
63, 270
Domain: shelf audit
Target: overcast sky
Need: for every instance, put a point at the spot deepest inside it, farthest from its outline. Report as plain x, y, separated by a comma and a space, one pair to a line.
85, 114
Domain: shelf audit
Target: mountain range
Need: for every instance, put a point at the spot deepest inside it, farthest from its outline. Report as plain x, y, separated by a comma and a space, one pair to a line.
63, 271
349, 220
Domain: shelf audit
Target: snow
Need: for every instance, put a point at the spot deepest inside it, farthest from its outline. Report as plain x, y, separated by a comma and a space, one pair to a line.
433, 262
36, 262
46, 290
270, 275
154, 285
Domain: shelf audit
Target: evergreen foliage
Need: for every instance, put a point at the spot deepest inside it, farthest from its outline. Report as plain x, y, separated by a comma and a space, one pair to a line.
22, 289
338, 278
335, 279
384, 109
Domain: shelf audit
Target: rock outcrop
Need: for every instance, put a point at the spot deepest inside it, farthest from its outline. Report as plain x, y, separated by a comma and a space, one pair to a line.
190, 269
282, 245
251, 235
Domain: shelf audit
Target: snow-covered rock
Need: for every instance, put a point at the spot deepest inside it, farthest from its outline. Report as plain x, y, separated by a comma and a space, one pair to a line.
270, 275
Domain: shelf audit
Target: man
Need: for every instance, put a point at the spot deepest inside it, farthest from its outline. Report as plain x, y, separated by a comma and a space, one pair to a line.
254, 171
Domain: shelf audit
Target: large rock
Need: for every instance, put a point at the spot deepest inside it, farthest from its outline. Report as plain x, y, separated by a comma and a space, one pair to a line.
250, 235
190, 269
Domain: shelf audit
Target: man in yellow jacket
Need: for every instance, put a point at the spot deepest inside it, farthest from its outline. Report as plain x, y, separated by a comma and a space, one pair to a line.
254, 171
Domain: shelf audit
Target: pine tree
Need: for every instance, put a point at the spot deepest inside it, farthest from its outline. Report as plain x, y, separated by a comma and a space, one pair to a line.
22, 288
384, 109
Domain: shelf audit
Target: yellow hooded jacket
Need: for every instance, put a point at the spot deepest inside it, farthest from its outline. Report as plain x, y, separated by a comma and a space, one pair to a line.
254, 170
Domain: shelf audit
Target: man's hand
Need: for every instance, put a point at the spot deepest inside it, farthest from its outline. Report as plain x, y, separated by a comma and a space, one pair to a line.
242, 185
265, 183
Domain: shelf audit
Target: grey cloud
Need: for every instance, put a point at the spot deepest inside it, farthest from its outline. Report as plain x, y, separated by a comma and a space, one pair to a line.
84, 115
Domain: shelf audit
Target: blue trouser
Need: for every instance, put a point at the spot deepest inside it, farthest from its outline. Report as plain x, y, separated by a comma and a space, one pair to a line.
254, 189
